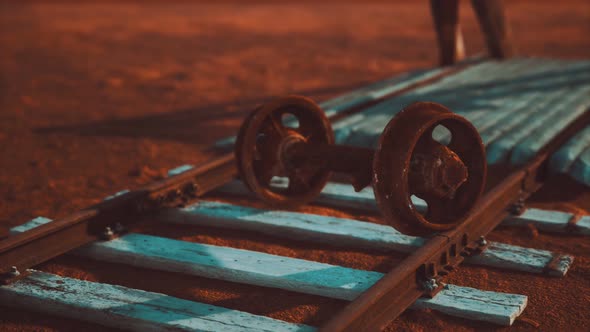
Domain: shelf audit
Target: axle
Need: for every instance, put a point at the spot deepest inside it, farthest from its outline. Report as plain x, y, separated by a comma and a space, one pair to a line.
435, 170
354, 161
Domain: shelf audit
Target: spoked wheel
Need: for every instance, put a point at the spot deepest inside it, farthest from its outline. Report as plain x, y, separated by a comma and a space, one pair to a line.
409, 161
262, 141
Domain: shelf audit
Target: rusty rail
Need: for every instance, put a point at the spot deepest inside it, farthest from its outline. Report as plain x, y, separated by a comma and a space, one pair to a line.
42, 243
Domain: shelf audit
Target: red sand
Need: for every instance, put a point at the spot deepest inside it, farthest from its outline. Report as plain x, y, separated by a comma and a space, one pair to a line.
100, 97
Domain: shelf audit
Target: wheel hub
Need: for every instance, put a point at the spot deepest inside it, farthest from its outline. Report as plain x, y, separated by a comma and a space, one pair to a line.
438, 171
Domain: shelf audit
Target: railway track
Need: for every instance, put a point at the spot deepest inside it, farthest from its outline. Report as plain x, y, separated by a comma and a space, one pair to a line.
102, 232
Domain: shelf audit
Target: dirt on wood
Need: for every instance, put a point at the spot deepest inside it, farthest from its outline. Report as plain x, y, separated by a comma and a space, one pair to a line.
101, 96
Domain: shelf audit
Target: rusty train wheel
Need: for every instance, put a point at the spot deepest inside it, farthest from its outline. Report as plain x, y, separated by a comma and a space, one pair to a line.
409, 161
262, 140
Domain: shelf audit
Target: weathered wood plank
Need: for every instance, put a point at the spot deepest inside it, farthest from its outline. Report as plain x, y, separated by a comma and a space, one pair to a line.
180, 169
508, 120
581, 167
481, 73
353, 234
340, 195
378, 90
365, 94
575, 103
235, 265
552, 221
507, 306
261, 269
562, 160
494, 88
531, 260
525, 101
117, 194
36, 222
129, 309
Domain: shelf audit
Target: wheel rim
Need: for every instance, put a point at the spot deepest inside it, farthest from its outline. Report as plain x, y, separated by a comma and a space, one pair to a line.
263, 136
409, 161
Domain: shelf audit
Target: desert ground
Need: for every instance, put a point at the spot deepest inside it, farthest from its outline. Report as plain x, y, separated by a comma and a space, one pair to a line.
98, 96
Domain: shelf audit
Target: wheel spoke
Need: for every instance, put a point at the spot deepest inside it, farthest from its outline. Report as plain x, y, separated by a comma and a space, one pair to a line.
305, 129
265, 145
276, 126
265, 159
459, 141
298, 182
438, 208
263, 139
257, 152
457, 146
426, 144
266, 169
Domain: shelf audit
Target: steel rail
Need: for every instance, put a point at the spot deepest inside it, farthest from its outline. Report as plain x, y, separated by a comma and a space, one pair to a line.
42, 243
417, 274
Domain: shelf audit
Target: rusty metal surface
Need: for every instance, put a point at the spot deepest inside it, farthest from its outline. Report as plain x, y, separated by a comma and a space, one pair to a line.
356, 162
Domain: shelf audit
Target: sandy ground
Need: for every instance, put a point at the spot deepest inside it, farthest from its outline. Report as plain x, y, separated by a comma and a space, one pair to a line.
99, 97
